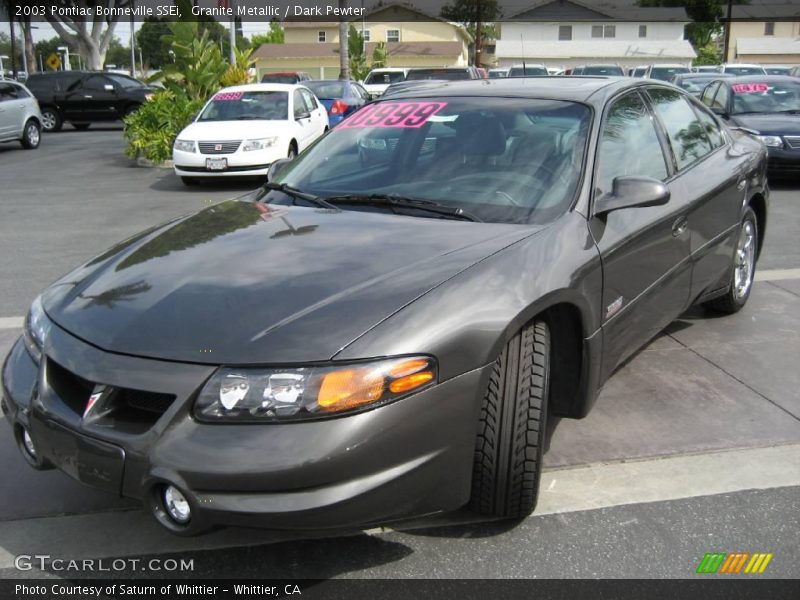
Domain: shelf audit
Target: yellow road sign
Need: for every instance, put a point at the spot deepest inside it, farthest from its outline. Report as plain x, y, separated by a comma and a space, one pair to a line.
53, 62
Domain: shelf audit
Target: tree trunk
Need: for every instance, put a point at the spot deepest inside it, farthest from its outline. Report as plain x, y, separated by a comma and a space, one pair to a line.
92, 43
344, 54
28, 47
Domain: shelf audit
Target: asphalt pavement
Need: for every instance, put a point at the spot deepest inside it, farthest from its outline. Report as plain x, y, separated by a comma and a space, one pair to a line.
692, 447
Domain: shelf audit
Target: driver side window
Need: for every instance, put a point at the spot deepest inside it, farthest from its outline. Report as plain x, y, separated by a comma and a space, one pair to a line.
96, 83
299, 104
629, 144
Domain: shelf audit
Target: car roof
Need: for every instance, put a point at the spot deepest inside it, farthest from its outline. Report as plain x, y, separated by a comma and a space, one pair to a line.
759, 79
264, 87
575, 88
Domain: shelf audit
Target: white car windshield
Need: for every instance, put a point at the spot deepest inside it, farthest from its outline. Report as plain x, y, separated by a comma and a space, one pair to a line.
384, 77
241, 106
504, 160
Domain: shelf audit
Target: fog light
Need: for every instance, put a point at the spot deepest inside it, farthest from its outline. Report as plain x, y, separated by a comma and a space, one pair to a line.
176, 505
28, 443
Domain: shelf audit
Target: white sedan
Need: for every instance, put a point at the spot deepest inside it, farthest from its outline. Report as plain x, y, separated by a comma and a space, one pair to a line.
243, 129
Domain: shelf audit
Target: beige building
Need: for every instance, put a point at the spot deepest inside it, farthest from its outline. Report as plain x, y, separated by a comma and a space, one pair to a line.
413, 39
766, 42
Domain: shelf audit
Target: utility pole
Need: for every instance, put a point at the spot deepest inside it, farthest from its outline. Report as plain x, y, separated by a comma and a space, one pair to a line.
478, 33
133, 44
13, 49
233, 34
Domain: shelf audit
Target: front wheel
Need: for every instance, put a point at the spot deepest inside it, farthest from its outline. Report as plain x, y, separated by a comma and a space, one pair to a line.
51, 119
743, 268
292, 151
31, 135
508, 452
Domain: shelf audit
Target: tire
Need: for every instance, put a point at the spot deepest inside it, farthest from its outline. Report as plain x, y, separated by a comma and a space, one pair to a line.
81, 126
130, 110
743, 268
508, 450
292, 151
31, 135
189, 181
51, 119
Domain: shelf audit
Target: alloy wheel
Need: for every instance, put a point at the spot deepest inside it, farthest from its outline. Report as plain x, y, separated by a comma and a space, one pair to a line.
745, 260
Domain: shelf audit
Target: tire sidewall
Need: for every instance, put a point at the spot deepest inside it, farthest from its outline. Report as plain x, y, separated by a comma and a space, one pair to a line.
26, 139
56, 120
749, 216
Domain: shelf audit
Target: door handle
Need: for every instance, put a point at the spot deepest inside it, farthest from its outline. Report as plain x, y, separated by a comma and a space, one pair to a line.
88, 97
741, 185
679, 226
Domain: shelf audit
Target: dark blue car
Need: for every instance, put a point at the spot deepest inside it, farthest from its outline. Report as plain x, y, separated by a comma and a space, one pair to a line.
340, 98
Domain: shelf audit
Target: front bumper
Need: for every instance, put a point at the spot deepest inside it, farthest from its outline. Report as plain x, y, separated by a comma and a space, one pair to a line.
783, 162
240, 164
409, 458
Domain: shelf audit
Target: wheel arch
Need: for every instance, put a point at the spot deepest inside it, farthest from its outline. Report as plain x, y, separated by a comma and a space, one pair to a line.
759, 205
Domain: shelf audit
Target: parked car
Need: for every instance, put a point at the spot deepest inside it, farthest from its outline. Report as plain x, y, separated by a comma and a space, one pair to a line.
444, 74
794, 71
286, 77
498, 72
555, 71
769, 107
20, 119
527, 70
351, 345
665, 72
378, 80
406, 85
637, 71
340, 98
695, 83
605, 70
83, 97
705, 69
742, 69
243, 129
777, 69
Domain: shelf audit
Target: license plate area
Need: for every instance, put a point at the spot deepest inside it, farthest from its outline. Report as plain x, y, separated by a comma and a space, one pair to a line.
216, 164
86, 459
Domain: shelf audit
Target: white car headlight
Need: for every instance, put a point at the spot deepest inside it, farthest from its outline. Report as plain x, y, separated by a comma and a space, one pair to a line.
773, 141
184, 145
37, 328
259, 144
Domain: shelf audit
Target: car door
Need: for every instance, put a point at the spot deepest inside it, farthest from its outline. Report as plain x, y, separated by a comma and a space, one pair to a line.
95, 98
644, 250
714, 176
318, 114
11, 110
302, 117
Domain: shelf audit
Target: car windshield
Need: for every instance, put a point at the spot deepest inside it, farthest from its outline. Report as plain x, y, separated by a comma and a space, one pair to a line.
241, 106
766, 97
497, 74
777, 70
693, 85
503, 160
745, 70
326, 89
125, 82
384, 77
666, 73
442, 74
527, 71
279, 78
602, 70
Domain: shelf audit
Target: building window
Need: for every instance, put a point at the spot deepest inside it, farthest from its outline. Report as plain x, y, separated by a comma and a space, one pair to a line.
642, 31
322, 36
769, 28
392, 35
601, 31
365, 35
565, 32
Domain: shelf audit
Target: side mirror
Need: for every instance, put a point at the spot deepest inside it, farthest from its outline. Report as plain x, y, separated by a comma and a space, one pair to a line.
632, 192
301, 116
277, 168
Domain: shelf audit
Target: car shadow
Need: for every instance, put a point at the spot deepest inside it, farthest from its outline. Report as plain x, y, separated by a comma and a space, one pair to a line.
169, 182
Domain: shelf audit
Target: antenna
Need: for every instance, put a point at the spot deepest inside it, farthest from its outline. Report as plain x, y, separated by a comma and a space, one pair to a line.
522, 46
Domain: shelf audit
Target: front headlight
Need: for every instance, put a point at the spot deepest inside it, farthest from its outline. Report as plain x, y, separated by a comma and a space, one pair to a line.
260, 144
37, 328
773, 141
268, 395
184, 145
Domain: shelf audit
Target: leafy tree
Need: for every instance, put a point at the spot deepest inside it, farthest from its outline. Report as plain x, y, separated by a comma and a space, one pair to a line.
118, 54
45, 48
155, 51
275, 35
708, 55
239, 72
380, 57
705, 16
355, 49
5, 49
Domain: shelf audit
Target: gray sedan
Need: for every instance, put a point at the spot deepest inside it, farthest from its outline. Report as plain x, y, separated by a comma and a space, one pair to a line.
20, 119
383, 329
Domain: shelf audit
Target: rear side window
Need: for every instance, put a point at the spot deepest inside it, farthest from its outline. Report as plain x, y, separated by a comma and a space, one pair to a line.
629, 144
720, 101
710, 126
685, 131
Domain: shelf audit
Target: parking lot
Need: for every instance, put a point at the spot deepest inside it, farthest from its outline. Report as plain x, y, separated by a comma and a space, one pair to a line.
693, 446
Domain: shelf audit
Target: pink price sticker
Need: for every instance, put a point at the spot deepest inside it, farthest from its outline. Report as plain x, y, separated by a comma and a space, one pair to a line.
223, 96
395, 115
750, 88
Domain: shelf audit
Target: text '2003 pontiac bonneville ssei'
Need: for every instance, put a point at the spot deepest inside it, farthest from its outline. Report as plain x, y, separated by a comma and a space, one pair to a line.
382, 329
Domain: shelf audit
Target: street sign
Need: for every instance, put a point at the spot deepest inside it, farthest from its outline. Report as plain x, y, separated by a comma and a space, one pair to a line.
53, 62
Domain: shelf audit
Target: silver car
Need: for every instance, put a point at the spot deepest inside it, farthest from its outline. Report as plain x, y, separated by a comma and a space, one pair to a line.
20, 119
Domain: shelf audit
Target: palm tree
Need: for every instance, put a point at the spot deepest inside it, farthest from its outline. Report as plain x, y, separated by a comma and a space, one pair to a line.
344, 54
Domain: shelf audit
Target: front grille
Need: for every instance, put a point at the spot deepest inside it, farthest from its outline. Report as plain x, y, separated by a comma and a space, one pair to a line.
227, 147
150, 402
793, 141
72, 390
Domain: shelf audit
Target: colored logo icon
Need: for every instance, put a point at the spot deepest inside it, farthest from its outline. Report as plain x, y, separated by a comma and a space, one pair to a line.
733, 563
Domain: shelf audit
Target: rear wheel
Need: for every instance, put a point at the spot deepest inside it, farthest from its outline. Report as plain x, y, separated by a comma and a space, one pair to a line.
743, 269
51, 119
81, 126
31, 135
508, 452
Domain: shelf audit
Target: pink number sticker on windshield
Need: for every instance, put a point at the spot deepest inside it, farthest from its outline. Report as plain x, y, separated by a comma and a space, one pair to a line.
396, 115
749, 88
222, 96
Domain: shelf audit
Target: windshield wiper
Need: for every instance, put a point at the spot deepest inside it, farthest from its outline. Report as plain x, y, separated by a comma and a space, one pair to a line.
790, 111
398, 201
295, 193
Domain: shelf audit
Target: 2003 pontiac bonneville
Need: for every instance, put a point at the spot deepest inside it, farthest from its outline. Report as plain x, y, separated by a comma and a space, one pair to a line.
382, 329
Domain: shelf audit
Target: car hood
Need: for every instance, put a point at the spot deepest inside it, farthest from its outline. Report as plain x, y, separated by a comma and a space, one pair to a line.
232, 130
243, 283
770, 123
